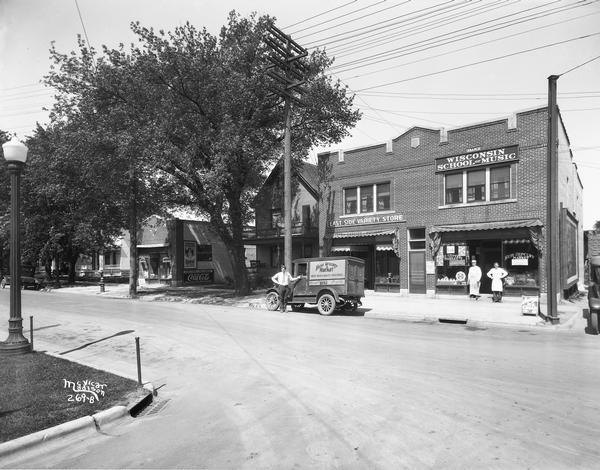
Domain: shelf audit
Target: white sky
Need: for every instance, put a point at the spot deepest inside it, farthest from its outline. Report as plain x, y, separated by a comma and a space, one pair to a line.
492, 89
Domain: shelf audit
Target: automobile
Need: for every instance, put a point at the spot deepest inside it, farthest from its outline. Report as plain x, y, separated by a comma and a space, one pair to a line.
336, 283
27, 282
594, 291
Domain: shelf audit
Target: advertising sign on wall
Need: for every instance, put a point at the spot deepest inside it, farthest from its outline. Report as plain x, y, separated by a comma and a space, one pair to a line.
477, 158
199, 276
367, 220
189, 254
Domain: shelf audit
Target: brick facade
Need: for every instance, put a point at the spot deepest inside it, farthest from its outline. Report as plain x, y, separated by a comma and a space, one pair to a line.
417, 191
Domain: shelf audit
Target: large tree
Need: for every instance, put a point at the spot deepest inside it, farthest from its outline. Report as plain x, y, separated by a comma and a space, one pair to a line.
204, 106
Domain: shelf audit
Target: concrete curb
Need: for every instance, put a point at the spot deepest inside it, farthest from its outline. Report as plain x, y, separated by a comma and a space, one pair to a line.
85, 425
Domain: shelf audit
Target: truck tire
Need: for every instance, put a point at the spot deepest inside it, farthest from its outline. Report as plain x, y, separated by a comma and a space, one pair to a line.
326, 304
272, 301
594, 321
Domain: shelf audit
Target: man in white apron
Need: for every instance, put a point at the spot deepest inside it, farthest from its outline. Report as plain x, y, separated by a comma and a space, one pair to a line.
496, 274
474, 280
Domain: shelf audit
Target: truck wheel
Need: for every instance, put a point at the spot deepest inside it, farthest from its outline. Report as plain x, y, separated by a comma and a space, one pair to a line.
272, 301
594, 321
326, 304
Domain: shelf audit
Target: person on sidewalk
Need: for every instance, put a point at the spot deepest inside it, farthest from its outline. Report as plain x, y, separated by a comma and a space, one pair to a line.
496, 274
282, 280
474, 280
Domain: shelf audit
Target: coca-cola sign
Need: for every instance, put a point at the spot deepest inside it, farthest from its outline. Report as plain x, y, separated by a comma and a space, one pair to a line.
199, 276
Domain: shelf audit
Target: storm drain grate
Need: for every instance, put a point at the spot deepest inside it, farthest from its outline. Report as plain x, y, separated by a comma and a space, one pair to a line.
155, 407
452, 321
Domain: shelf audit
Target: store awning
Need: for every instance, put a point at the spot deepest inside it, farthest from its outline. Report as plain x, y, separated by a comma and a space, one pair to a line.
341, 249
363, 233
504, 224
384, 248
154, 245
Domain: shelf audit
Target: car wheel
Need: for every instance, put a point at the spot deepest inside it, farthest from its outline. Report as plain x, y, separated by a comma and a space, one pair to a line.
272, 301
297, 307
326, 304
354, 306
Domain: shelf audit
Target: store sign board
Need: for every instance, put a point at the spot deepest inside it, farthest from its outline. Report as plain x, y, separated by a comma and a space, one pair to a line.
199, 276
367, 220
477, 158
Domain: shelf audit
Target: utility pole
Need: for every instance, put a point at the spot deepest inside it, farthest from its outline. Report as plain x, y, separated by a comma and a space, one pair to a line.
552, 216
288, 71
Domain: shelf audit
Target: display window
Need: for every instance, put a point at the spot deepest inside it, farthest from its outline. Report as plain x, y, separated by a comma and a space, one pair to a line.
521, 263
452, 262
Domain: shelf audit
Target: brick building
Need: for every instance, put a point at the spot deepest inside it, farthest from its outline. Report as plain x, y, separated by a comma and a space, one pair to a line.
418, 208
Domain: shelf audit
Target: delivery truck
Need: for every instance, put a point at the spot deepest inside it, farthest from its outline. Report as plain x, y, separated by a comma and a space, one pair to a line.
336, 283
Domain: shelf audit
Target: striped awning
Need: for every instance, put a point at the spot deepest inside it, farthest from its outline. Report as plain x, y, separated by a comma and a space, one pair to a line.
503, 224
363, 233
341, 249
516, 241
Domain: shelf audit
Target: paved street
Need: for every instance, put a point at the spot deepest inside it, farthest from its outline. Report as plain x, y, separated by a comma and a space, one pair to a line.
248, 388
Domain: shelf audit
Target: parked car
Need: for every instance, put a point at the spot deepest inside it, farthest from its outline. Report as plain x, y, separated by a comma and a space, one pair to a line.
27, 282
336, 283
594, 291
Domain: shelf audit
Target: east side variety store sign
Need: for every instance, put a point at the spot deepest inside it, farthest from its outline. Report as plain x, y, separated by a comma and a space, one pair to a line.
477, 158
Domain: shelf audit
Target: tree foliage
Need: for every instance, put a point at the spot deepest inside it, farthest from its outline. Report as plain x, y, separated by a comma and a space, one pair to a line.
199, 109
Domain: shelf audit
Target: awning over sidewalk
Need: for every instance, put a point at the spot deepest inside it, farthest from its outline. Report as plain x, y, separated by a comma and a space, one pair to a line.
503, 224
533, 226
363, 233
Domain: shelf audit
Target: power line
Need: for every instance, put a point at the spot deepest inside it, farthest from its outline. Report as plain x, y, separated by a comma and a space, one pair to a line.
580, 65
480, 62
430, 43
368, 43
83, 26
466, 47
319, 14
333, 19
353, 32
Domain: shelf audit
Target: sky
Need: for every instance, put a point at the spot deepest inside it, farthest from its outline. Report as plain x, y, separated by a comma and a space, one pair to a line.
428, 63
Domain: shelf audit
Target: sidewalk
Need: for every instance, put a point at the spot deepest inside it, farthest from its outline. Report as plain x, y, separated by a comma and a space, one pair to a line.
414, 308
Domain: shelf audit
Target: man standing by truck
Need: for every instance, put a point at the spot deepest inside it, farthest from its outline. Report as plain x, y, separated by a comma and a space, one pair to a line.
282, 280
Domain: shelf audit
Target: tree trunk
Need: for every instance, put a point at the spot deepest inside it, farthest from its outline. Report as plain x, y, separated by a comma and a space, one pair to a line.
133, 232
234, 241
72, 263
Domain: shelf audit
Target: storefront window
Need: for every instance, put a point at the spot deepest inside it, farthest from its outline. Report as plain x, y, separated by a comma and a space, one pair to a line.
454, 184
383, 197
350, 205
452, 265
366, 198
499, 183
521, 262
476, 185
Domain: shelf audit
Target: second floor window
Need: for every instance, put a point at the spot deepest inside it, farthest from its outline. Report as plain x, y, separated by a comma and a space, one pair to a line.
367, 199
481, 185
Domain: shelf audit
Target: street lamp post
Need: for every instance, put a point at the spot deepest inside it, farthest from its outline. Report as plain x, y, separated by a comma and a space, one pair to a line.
15, 154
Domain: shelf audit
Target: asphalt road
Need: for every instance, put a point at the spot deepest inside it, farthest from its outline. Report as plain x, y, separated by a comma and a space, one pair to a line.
245, 388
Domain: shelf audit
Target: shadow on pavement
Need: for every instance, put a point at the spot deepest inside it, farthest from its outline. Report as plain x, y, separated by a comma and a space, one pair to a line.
120, 333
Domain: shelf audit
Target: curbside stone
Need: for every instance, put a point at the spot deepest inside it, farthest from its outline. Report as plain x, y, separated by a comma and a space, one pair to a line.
78, 425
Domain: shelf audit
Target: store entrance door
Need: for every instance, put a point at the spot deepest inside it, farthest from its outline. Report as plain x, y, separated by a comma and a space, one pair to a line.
416, 275
365, 252
490, 253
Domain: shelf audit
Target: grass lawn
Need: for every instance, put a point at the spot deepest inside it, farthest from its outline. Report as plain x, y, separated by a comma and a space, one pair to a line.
38, 391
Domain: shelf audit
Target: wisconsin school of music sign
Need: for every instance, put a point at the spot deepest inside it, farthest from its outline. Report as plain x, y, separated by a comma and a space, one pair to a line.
477, 158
